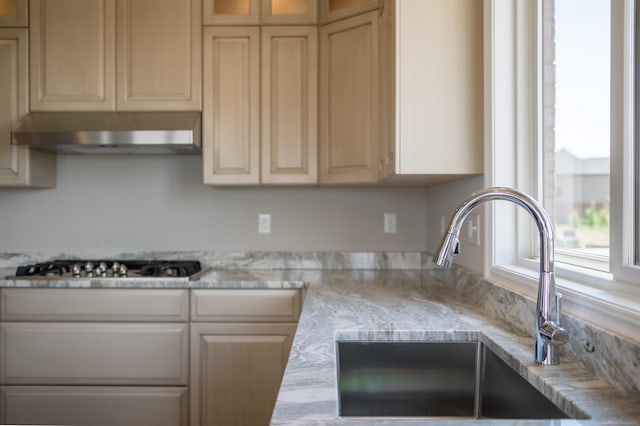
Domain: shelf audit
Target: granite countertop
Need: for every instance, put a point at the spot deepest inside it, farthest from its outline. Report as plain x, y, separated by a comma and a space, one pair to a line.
404, 305
387, 305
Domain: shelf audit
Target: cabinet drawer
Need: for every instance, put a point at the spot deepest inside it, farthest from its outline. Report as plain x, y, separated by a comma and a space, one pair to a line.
94, 353
94, 305
245, 305
94, 406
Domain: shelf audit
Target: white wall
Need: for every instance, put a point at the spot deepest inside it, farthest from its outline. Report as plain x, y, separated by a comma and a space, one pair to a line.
159, 203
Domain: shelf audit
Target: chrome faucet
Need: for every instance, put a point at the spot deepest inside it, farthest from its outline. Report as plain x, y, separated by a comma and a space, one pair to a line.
548, 332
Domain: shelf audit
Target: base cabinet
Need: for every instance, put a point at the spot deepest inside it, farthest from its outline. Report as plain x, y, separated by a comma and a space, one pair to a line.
236, 370
161, 357
93, 405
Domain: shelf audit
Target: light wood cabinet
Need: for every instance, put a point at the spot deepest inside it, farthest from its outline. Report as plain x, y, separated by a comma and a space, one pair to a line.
231, 107
349, 92
76, 356
333, 10
72, 55
236, 148
74, 52
255, 12
19, 167
158, 55
94, 406
432, 111
289, 105
14, 13
237, 367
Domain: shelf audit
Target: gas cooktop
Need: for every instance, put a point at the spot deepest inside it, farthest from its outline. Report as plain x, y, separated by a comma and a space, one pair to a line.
183, 270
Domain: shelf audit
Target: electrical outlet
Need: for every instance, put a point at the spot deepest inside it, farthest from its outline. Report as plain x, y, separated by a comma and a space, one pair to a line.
264, 223
473, 229
390, 223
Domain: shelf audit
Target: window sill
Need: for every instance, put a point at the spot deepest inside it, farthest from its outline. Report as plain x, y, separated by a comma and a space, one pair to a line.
618, 313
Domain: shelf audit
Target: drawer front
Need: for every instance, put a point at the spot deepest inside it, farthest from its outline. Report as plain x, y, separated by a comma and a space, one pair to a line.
60, 304
94, 353
245, 305
94, 406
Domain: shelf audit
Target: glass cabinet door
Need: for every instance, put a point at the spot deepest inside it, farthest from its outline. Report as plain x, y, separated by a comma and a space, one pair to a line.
332, 10
289, 11
13, 13
231, 12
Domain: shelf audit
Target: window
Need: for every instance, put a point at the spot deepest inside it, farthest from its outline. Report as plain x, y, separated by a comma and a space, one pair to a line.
576, 95
541, 61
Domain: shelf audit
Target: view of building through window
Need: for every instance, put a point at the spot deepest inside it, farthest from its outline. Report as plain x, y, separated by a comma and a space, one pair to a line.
576, 102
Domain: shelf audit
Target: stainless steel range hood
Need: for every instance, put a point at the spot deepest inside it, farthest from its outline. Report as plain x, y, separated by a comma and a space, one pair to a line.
111, 132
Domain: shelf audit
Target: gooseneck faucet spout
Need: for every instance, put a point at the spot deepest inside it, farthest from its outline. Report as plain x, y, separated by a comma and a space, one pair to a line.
548, 332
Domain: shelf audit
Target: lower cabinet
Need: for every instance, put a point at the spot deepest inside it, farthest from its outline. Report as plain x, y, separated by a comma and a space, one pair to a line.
174, 357
94, 405
236, 370
240, 343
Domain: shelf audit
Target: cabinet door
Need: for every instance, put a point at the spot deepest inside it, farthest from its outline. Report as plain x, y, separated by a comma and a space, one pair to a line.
94, 406
333, 10
289, 105
14, 13
289, 12
440, 87
230, 12
349, 100
231, 107
236, 370
72, 55
158, 55
93, 353
18, 165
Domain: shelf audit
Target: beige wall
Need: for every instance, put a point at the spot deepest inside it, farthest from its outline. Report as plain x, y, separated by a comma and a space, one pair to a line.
159, 203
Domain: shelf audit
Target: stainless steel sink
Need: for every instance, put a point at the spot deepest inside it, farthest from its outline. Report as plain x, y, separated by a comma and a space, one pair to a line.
434, 379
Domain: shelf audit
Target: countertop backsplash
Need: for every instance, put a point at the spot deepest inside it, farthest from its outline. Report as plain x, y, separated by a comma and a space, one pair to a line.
609, 356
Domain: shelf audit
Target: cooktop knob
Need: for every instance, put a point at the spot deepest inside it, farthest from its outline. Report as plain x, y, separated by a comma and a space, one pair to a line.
75, 269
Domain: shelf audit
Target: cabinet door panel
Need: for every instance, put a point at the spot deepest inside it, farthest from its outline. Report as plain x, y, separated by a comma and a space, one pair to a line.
158, 55
93, 353
18, 165
231, 108
72, 55
289, 105
349, 100
236, 370
245, 305
40, 304
94, 406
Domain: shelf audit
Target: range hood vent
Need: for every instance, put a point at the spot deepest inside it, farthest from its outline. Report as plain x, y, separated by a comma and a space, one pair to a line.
111, 132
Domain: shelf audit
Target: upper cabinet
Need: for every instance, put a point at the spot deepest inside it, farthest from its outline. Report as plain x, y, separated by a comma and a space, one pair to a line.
333, 10
72, 55
19, 167
255, 12
432, 89
14, 13
260, 105
74, 52
158, 55
349, 108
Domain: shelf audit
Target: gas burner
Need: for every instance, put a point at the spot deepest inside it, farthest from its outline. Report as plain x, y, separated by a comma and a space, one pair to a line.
184, 270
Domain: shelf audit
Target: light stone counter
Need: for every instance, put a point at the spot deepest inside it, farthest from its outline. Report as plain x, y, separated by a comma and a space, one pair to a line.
408, 305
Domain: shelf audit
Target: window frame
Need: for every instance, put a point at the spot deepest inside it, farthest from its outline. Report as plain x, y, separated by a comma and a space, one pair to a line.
611, 300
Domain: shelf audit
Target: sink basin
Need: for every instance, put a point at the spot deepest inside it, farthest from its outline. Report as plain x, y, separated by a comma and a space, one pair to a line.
434, 379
